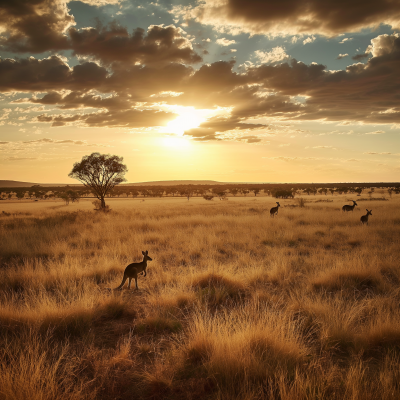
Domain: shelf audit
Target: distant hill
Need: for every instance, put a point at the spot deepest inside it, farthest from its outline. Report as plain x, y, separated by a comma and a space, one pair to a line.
14, 184
175, 183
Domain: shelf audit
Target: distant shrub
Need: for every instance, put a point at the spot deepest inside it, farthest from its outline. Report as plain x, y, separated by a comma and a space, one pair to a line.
301, 202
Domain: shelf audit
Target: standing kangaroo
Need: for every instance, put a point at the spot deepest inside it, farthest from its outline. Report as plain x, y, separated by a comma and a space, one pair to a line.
132, 271
364, 218
274, 210
349, 208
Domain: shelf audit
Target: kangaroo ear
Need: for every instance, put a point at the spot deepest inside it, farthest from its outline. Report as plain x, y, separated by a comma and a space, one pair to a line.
143, 253
147, 252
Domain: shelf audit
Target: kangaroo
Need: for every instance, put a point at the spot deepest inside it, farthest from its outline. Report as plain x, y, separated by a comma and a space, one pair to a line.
349, 208
364, 218
132, 271
274, 210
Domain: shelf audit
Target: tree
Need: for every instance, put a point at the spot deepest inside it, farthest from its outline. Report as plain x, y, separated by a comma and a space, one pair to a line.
234, 191
99, 172
20, 195
255, 191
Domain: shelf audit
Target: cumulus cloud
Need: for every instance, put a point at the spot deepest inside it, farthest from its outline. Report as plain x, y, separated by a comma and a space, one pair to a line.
383, 44
276, 54
113, 43
293, 17
225, 42
310, 39
34, 26
340, 56
30, 74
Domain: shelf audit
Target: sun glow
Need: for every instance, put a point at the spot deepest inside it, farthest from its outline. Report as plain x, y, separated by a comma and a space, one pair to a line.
176, 142
187, 119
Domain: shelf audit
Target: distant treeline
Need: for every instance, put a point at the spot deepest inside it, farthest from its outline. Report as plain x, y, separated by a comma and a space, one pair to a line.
282, 190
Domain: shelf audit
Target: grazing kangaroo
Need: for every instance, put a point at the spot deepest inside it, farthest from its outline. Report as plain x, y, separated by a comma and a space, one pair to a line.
274, 210
364, 218
349, 208
132, 271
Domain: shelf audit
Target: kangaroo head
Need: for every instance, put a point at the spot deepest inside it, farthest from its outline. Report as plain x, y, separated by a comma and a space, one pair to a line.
369, 212
146, 256
278, 203
354, 203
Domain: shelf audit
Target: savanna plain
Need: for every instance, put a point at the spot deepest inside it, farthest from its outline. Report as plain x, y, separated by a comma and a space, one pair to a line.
235, 304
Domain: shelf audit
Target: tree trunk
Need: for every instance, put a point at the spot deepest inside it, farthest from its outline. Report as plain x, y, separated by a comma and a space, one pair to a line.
103, 203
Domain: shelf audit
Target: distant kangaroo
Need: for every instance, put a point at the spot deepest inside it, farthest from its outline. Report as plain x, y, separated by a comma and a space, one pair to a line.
132, 271
349, 208
274, 210
364, 218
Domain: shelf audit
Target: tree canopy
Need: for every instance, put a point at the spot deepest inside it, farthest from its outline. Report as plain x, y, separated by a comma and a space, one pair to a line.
99, 172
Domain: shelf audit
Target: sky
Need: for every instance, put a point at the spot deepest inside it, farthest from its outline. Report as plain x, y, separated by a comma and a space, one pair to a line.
227, 90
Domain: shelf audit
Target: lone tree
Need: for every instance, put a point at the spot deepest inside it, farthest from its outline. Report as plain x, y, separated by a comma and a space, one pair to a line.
100, 173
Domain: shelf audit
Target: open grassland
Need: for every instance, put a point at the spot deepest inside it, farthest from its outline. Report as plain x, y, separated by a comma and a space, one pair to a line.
235, 305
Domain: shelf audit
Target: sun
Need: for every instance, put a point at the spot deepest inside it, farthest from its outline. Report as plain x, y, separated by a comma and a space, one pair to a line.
187, 119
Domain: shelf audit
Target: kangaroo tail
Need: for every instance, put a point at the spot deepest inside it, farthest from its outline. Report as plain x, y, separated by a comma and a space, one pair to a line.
122, 283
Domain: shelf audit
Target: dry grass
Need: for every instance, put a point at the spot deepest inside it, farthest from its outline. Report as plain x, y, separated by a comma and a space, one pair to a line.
235, 305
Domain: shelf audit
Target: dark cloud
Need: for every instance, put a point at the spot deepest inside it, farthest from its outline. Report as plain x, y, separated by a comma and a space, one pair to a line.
120, 118
114, 44
208, 130
328, 17
360, 57
51, 73
34, 26
83, 100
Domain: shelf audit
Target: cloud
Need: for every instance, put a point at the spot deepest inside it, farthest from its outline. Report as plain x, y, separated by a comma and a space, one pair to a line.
225, 42
288, 159
292, 17
310, 39
383, 45
31, 74
276, 54
129, 95
34, 26
131, 118
344, 40
14, 158
46, 140
360, 57
251, 139
373, 153
208, 130
113, 43
374, 133
340, 56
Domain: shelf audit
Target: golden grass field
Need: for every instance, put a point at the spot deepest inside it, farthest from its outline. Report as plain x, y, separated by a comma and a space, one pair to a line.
235, 305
